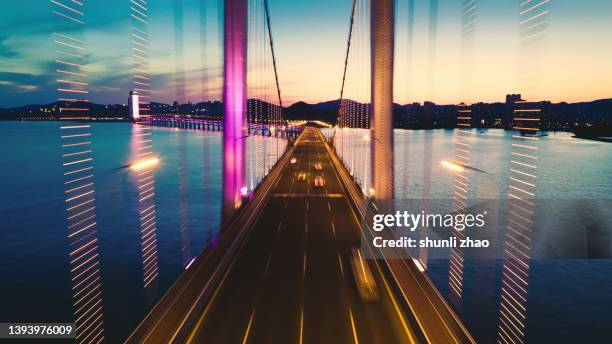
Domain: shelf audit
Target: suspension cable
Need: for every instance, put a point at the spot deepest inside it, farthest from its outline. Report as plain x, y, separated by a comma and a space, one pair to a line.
280, 101
348, 49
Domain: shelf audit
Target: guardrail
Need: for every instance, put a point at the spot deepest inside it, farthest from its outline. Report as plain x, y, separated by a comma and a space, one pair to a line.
175, 312
437, 320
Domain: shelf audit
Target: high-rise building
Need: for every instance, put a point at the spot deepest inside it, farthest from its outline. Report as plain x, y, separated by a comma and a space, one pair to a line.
134, 106
511, 100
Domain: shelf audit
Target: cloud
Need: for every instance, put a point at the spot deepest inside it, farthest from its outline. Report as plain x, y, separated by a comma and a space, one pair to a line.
5, 50
17, 89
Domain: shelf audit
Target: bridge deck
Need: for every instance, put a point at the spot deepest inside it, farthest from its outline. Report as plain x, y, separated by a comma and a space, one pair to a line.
291, 282
289, 278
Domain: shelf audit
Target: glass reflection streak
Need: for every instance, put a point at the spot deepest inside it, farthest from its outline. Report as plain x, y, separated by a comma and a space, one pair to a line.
461, 188
77, 161
143, 169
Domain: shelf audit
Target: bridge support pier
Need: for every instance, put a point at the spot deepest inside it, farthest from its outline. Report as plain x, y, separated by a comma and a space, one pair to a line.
382, 46
234, 98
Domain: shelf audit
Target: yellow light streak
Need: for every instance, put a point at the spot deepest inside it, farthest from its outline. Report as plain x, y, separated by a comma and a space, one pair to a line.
453, 166
143, 164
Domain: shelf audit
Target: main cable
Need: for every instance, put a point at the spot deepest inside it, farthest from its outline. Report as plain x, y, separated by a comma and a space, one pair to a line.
280, 101
348, 49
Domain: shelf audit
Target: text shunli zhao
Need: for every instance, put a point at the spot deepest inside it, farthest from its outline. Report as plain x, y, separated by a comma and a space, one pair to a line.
411, 222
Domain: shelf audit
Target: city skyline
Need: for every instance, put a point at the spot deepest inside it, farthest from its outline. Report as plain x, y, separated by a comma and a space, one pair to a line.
310, 41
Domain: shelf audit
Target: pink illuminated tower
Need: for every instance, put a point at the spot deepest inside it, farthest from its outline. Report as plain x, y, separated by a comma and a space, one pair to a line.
234, 97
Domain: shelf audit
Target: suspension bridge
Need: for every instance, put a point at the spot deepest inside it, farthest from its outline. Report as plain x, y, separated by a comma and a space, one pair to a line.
281, 269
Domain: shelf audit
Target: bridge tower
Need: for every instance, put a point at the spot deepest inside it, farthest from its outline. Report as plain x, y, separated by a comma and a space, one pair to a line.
382, 45
234, 97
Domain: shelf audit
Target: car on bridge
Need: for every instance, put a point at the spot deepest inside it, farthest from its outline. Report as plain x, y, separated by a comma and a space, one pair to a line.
301, 177
317, 166
293, 161
319, 182
364, 279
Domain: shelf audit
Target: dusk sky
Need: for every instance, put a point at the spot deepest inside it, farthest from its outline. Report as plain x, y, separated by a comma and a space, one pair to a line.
573, 62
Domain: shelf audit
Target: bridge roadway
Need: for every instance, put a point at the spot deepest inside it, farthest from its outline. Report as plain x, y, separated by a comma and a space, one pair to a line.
280, 272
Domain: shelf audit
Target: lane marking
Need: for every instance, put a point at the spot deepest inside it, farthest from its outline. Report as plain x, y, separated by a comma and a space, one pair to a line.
301, 324
233, 259
353, 326
333, 227
340, 263
294, 195
248, 329
329, 206
382, 276
306, 223
304, 265
397, 308
268, 264
280, 225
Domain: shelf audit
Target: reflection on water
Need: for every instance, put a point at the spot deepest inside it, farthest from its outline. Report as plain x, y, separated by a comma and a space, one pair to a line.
157, 203
520, 215
143, 166
461, 194
84, 253
184, 200
543, 238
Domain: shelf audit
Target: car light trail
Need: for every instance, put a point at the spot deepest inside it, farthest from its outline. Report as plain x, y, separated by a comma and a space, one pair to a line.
141, 165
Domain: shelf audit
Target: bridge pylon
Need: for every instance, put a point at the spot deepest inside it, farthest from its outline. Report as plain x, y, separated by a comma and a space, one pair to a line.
235, 128
382, 46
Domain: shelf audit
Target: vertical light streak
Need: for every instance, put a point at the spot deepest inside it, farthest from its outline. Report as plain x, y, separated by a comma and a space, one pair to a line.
183, 170
141, 82
145, 183
463, 139
409, 50
382, 32
461, 186
204, 79
426, 194
264, 116
179, 53
142, 140
234, 96
77, 161
522, 181
519, 222
432, 47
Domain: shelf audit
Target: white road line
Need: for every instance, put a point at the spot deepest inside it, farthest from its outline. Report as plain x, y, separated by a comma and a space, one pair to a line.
268, 264
304, 264
340, 263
